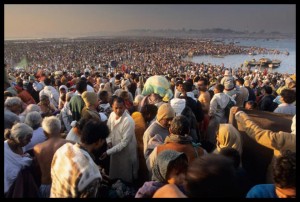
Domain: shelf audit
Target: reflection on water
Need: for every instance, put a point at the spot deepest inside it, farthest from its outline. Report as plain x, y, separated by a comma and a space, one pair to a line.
288, 64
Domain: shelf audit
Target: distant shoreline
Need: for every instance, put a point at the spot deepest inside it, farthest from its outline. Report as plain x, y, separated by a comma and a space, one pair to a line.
163, 35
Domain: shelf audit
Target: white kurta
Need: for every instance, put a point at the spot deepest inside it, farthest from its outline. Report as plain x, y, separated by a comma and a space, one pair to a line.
123, 154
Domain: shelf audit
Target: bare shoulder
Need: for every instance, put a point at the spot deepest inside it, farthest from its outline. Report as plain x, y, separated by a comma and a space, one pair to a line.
169, 191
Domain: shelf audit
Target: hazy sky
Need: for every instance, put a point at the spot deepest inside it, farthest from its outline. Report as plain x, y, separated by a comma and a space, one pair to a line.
22, 21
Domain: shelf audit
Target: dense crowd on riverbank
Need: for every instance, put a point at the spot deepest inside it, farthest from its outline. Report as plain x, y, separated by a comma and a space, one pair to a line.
139, 111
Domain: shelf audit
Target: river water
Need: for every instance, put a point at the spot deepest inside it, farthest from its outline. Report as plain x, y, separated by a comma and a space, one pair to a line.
288, 64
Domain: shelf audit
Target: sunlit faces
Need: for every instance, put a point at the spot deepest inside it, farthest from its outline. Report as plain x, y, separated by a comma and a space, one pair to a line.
202, 86
62, 91
166, 122
180, 87
118, 108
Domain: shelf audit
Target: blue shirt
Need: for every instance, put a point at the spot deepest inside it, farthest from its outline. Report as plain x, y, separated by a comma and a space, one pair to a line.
262, 191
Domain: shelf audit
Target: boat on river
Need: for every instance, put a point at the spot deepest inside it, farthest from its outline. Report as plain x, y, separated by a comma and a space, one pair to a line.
276, 63
264, 62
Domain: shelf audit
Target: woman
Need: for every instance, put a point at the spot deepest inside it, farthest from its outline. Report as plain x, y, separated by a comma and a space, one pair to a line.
228, 136
169, 168
15, 159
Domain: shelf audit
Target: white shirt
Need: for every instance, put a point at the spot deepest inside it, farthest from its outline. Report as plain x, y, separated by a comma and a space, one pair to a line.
38, 136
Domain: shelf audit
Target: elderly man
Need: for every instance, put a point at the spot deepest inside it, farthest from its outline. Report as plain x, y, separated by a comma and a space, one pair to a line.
44, 152
12, 109
159, 129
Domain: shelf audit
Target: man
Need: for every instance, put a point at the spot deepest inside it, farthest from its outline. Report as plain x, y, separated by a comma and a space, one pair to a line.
160, 127
31, 90
91, 103
228, 82
204, 99
178, 140
217, 112
121, 143
266, 103
76, 103
284, 175
277, 141
191, 101
44, 152
251, 94
73, 170
244, 93
178, 87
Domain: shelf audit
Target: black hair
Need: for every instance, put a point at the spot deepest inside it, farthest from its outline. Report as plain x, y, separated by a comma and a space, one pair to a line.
284, 170
187, 86
233, 154
211, 175
288, 95
88, 134
267, 89
241, 81
219, 87
119, 100
205, 81
47, 81
102, 93
149, 111
81, 86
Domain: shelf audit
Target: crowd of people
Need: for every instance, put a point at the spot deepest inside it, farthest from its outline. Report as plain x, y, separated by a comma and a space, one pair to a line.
125, 118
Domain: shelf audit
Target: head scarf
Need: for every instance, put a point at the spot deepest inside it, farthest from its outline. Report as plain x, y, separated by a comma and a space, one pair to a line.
161, 165
229, 136
158, 85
